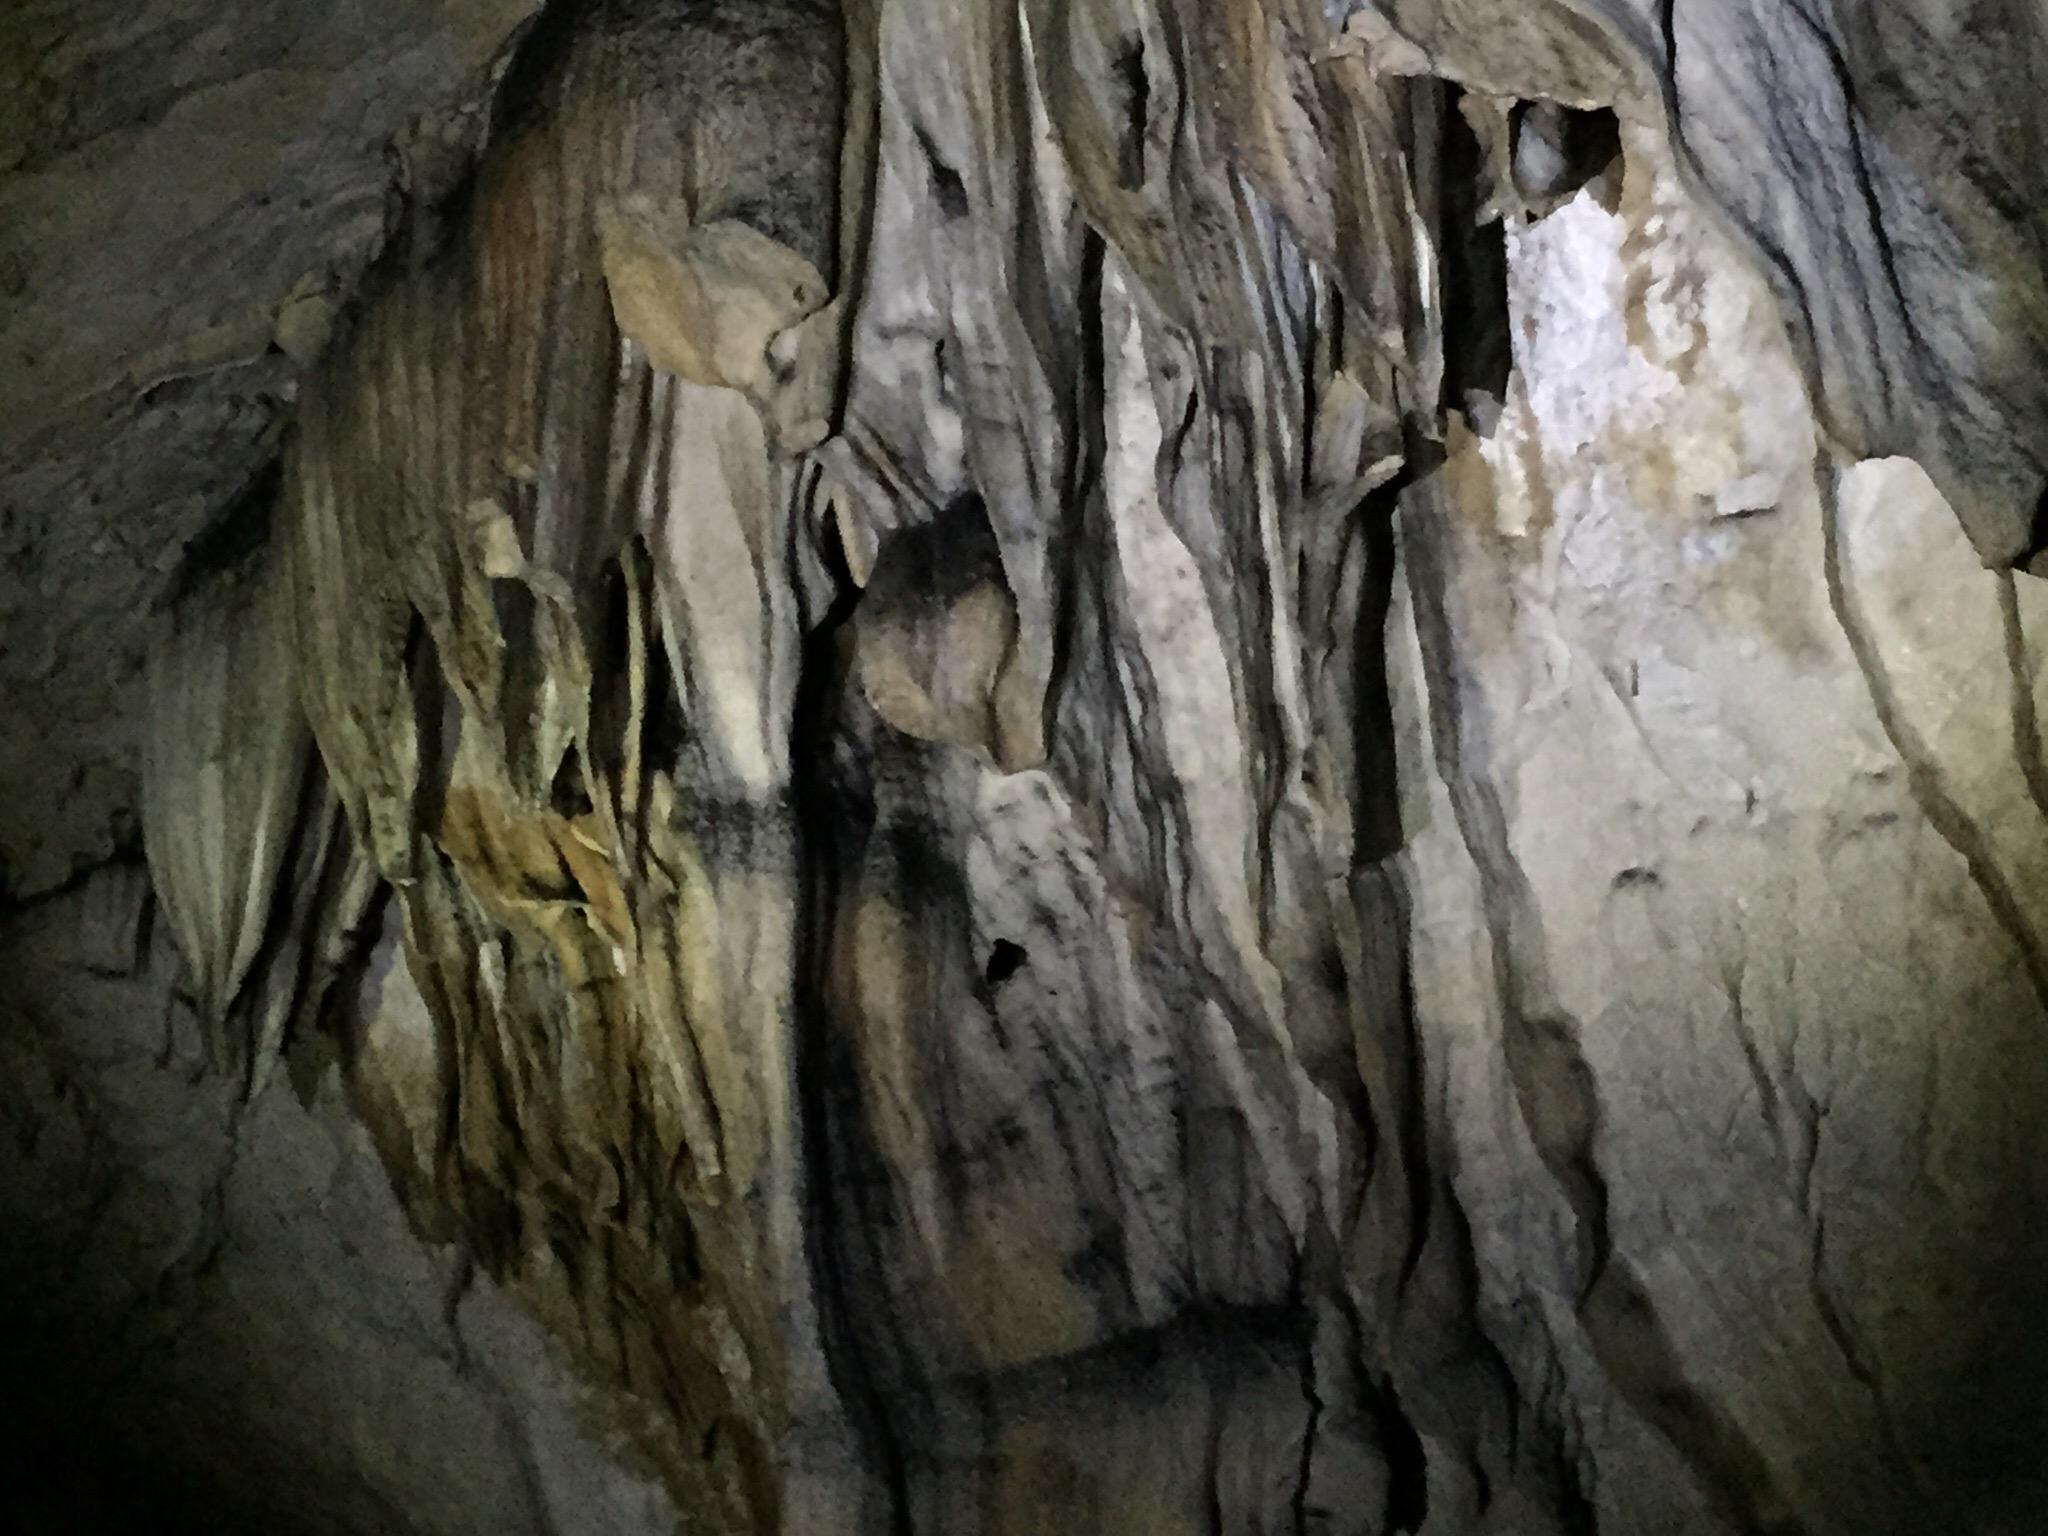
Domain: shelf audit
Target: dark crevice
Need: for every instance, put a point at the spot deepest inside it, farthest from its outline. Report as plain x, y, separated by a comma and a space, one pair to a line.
14, 903
1129, 70
534, 79
437, 725
236, 532
1083, 473
847, 1353
665, 732
1407, 1468
1312, 1399
619, 634
948, 190
1377, 832
1478, 348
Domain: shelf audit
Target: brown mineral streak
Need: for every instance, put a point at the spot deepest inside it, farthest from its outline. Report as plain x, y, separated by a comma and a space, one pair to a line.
470, 462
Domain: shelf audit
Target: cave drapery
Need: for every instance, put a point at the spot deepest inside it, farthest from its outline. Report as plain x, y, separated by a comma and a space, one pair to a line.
1128, 766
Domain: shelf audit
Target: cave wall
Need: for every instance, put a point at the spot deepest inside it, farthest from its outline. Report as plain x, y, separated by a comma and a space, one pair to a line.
1702, 723
217, 1315
987, 769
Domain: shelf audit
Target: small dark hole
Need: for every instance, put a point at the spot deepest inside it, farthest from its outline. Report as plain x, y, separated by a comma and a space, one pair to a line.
948, 189
570, 792
1004, 961
1559, 149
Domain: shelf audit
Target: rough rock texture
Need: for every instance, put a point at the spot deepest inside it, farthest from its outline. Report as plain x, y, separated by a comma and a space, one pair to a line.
1721, 997
188, 192
217, 1317
1883, 160
1099, 767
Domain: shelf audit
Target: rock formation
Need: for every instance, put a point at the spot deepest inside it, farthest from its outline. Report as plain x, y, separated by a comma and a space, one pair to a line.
1098, 766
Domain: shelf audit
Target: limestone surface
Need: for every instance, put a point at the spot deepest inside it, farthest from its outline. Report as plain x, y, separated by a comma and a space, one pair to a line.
977, 767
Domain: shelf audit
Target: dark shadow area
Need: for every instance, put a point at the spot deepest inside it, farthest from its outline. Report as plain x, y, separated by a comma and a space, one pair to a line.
1478, 349
1560, 149
66, 1470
